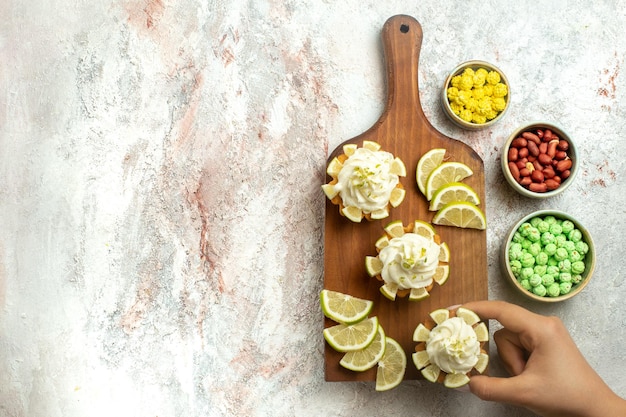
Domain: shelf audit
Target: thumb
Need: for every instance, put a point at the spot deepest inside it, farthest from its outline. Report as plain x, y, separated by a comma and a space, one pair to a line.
488, 388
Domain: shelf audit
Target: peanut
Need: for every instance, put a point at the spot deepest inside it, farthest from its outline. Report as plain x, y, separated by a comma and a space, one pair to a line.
539, 160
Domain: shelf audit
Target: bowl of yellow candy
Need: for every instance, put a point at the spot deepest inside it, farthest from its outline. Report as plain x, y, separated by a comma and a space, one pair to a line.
475, 95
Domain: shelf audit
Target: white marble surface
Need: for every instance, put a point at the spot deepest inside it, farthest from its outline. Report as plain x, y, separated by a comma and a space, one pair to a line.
161, 216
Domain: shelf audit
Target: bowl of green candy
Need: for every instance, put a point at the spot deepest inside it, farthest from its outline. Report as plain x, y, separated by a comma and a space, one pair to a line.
548, 256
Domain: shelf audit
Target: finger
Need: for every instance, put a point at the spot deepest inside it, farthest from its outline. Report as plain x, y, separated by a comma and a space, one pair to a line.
514, 317
511, 351
508, 390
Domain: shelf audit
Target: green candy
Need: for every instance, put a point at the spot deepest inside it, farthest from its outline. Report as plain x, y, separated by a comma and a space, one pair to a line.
516, 267
527, 260
550, 249
561, 254
515, 251
549, 219
542, 258
553, 270
547, 280
569, 246
540, 269
576, 279
535, 221
539, 290
575, 235
526, 273
547, 238
565, 277
543, 226
565, 265
534, 249
560, 240
567, 226
582, 247
575, 256
554, 290
525, 284
517, 237
565, 287
534, 235
556, 229
523, 229
578, 267
535, 280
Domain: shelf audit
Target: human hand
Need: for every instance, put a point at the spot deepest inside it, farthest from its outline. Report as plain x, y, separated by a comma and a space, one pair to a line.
549, 375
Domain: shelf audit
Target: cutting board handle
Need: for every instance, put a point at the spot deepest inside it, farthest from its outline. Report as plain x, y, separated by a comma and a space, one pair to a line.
402, 39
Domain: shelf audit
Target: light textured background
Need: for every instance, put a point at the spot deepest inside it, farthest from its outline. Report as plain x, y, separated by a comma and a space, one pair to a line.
161, 218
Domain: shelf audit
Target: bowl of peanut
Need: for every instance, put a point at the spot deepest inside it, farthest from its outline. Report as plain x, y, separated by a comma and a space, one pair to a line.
539, 160
475, 95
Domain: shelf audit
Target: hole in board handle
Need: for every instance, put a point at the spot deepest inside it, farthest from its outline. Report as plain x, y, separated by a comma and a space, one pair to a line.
404, 28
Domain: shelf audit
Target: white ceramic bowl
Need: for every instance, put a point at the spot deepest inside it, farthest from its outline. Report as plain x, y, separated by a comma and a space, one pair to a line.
589, 259
445, 103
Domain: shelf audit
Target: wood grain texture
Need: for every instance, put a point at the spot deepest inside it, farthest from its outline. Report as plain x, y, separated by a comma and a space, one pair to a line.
404, 131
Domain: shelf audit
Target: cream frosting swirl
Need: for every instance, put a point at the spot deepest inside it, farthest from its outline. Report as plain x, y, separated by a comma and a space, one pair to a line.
453, 346
409, 261
365, 180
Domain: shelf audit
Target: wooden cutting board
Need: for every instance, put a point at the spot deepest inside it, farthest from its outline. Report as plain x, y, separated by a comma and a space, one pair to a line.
404, 131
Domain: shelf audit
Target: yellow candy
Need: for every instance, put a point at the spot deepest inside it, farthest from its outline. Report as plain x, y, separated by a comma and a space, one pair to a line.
477, 96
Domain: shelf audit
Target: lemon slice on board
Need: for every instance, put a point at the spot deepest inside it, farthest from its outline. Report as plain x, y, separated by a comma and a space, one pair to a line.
446, 173
455, 380
391, 367
421, 359
444, 252
452, 193
348, 337
421, 333
418, 294
482, 334
397, 167
395, 228
334, 167
397, 196
426, 164
431, 372
442, 273
373, 265
344, 308
440, 315
371, 145
349, 148
423, 228
389, 290
465, 215
364, 359
353, 213
483, 361
468, 316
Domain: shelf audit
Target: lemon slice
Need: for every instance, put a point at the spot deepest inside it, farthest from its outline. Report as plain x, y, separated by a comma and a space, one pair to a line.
421, 359
334, 167
362, 360
379, 214
446, 173
395, 228
398, 168
397, 196
468, 316
442, 273
348, 337
431, 372
330, 190
389, 290
371, 145
373, 265
391, 367
452, 193
440, 315
382, 242
465, 215
418, 294
444, 252
424, 229
482, 334
353, 213
421, 333
455, 380
344, 308
426, 164
349, 149
483, 361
